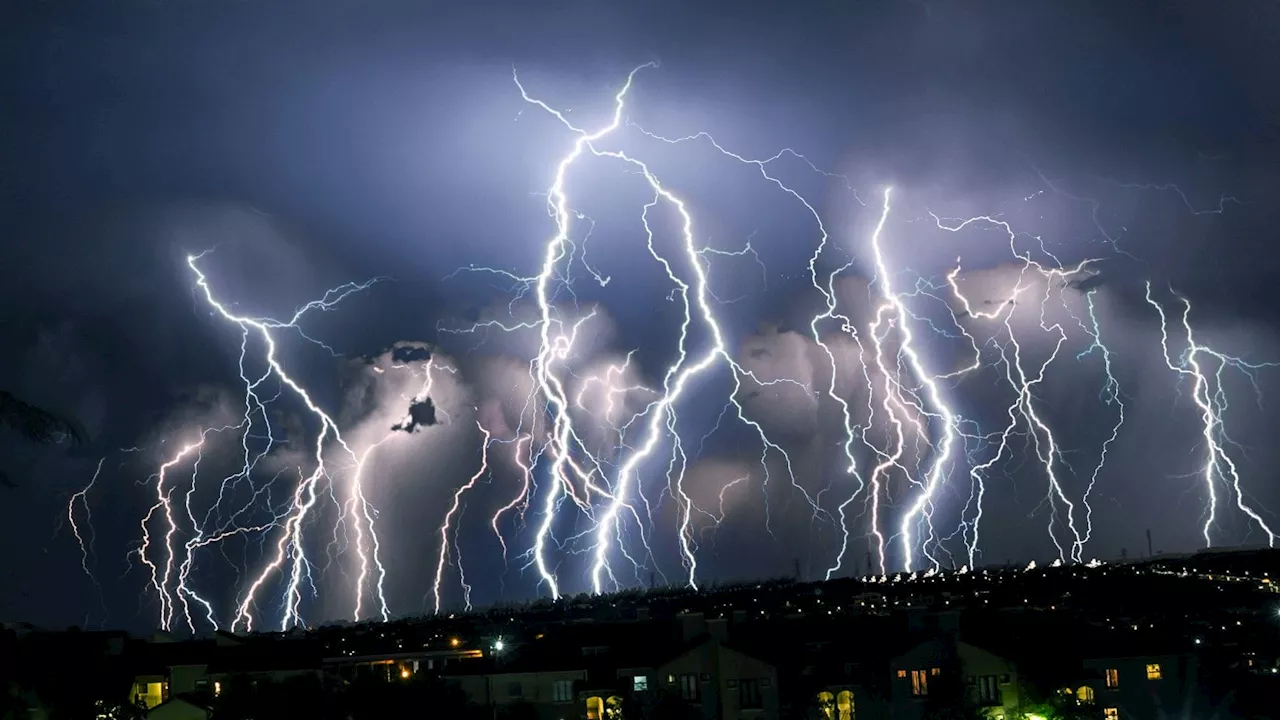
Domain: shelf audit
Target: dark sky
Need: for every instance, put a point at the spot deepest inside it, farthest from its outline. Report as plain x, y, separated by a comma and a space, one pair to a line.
315, 143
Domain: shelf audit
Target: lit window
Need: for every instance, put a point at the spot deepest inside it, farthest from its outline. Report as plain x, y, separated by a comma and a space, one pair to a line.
1153, 671
902, 673
640, 683
217, 688
919, 683
827, 705
1113, 678
844, 704
935, 671
1085, 694
1110, 714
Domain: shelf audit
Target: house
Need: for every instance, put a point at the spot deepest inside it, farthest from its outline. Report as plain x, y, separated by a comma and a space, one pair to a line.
722, 682
825, 677
178, 709
948, 672
617, 671
198, 669
1136, 686
584, 672
552, 693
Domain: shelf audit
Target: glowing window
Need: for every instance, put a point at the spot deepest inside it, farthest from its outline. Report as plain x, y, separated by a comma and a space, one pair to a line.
1153, 671
151, 694
1110, 714
919, 683
827, 705
1113, 678
1085, 694
935, 671
902, 673
844, 704
640, 683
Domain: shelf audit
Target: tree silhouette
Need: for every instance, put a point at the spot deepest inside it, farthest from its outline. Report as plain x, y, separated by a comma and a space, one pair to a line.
36, 425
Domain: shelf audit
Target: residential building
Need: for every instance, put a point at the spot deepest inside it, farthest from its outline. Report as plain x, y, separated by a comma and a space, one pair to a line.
722, 682
1142, 687
178, 709
946, 672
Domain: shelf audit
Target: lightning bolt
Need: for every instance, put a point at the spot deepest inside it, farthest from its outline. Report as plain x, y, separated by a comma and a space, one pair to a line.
445, 526
86, 545
588, 439
164, 503
937, 471
1024, 411
1110, 395
170, 570
1210, 398
660, 414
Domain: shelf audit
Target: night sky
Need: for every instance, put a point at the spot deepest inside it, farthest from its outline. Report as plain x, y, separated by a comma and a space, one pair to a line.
311, 144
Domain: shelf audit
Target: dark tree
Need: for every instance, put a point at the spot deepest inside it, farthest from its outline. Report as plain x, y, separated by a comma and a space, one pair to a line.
36, 425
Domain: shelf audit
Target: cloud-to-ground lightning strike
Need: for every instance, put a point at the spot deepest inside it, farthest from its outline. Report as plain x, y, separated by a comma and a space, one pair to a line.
446, 526
661, 414
86, 543
904, 395
1209, 396
171, 564
596, 451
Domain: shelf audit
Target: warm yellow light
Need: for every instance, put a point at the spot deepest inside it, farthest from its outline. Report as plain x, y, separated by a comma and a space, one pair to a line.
454, 642
404, 673
217, 688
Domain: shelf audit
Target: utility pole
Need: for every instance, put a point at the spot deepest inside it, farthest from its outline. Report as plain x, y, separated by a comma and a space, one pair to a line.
1150, 553
797, 565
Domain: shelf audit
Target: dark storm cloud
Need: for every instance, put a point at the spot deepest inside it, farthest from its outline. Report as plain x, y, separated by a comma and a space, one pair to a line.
408, 353
422, 413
